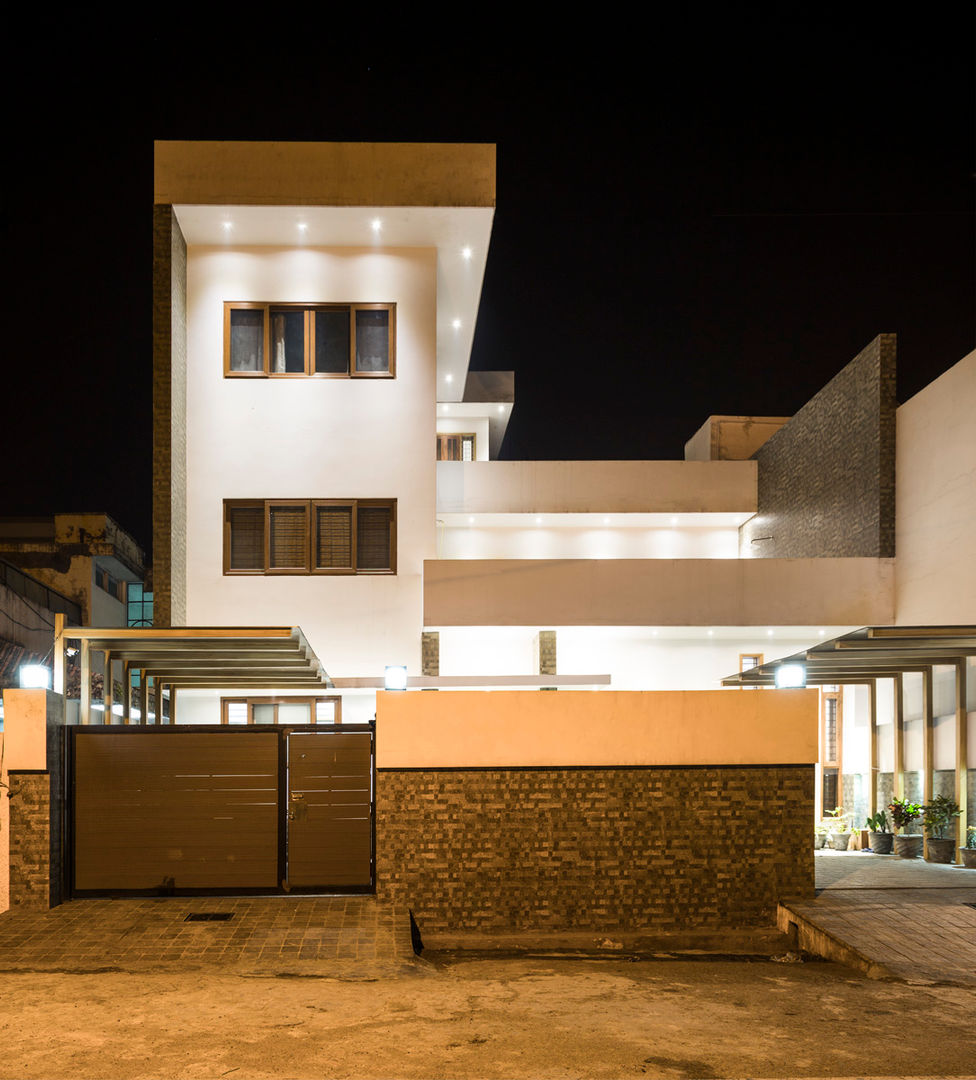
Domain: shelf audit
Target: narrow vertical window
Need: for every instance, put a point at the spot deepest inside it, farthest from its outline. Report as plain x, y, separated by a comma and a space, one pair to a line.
372, 341
288, 536
288, 342
334, 537
374, 538
245, 541
331, 341
246, 345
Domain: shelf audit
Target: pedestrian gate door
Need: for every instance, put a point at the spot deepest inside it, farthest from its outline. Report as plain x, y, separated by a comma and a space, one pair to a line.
210, 810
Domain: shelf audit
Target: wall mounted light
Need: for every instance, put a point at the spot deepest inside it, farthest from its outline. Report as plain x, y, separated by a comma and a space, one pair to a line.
790, 675
395, 677
35, 677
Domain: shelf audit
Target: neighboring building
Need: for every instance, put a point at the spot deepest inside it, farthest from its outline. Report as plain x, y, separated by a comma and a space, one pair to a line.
87, 558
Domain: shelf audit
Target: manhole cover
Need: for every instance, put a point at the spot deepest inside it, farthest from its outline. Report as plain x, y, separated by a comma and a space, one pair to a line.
209, 916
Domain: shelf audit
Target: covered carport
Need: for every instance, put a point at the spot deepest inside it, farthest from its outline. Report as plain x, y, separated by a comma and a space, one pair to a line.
875, 653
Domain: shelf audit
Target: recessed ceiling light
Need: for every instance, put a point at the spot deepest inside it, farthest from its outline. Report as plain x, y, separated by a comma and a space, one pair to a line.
470, 520
456, 324
228, 224
443, 408
302, 226
769, 633
376, 224
538, 521
448, 377
465, 253
606, 521
501, 408
711, 633
653, 633
820, 633
674, 521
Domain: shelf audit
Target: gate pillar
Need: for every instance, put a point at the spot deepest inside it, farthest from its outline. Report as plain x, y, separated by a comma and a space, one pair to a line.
32, 749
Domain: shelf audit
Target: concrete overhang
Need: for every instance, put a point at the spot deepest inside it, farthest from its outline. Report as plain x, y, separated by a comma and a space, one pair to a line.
283, 194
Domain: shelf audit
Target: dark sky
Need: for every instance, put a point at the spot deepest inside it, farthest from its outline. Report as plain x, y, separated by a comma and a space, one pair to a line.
703, 217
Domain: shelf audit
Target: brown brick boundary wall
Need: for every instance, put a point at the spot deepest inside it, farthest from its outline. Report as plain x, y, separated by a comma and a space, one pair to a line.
594, 849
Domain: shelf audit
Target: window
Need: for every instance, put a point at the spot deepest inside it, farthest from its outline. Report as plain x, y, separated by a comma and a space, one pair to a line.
281, 710
328, 340
107, 583
748, 661
310, 536
139, 605
455, 447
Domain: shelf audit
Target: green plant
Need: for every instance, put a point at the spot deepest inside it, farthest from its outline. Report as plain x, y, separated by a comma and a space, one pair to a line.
939, 814
971, 837
903, 812
877, 822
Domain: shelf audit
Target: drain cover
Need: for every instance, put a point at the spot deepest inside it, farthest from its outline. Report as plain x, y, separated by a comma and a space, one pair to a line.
209, 916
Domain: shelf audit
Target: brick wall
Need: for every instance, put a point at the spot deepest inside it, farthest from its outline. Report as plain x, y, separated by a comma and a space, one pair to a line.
546, 650
430, 653
600, 849
169, 419
827, 478
30, 839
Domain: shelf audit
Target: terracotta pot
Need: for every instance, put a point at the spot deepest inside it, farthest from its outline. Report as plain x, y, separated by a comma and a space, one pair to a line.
880, 842
909, 846
840, 840
938, 850
967, 856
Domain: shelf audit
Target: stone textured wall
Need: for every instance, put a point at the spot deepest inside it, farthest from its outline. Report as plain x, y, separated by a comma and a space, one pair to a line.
827, 478
596, 848
30, 840
169, 419
546, 650
430, 653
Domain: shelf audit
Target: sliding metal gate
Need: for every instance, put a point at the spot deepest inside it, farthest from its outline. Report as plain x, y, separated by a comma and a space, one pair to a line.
183, 810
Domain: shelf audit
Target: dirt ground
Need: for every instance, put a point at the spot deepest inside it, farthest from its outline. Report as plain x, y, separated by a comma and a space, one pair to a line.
515, 1017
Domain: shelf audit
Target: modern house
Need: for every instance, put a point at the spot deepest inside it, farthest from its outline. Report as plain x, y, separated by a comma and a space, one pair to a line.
324, 460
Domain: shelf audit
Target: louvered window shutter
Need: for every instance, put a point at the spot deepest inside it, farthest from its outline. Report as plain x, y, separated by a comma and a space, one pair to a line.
373, 533
246, 537
333, 537
288, 535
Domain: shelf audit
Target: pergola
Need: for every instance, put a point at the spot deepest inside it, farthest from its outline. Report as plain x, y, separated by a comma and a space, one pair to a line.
186, 657
890, 652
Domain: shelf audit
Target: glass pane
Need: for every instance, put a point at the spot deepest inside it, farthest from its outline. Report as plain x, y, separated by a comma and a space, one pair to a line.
467, 453
246, 339
288, 536
373, 529
325, 712
263, 714
372, 341
332, 341
246, 537
236, 712
333, 537
295, 714
288, 342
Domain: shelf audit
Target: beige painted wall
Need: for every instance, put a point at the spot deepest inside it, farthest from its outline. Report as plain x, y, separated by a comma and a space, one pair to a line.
325, 174
658, 592
573, 728
536, 487
25, 729
935, 500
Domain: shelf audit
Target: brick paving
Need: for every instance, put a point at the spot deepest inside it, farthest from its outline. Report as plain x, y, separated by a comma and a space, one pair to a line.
891, 918
267, 935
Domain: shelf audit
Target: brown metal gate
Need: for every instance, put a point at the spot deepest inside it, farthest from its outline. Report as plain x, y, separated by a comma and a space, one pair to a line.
220, 810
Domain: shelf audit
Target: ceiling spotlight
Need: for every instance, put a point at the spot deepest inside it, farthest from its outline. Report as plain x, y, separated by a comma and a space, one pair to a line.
538, 521
769, 633
456, 324
376, 224
471, 520
501, 408
302, 226
465, 253
711, 633
674, 521
228, 224
448, 377
443, 408
606, 521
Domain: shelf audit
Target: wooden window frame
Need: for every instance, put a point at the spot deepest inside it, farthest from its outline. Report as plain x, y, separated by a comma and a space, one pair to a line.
310, 506
309, 346
462, 435
310, 700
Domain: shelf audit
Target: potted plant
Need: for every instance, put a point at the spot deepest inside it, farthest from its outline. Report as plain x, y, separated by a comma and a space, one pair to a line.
903, 813
967, 854
819, 836
878, 835
939, 821
840, 831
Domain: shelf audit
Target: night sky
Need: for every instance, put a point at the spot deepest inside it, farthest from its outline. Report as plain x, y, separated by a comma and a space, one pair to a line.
703, 217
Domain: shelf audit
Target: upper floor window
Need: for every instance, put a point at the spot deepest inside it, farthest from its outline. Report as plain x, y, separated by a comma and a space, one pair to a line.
310, 536
330, 340
455, 447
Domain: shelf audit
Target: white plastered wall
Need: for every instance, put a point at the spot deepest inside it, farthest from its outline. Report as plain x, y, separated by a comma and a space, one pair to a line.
313, 438
935, 500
